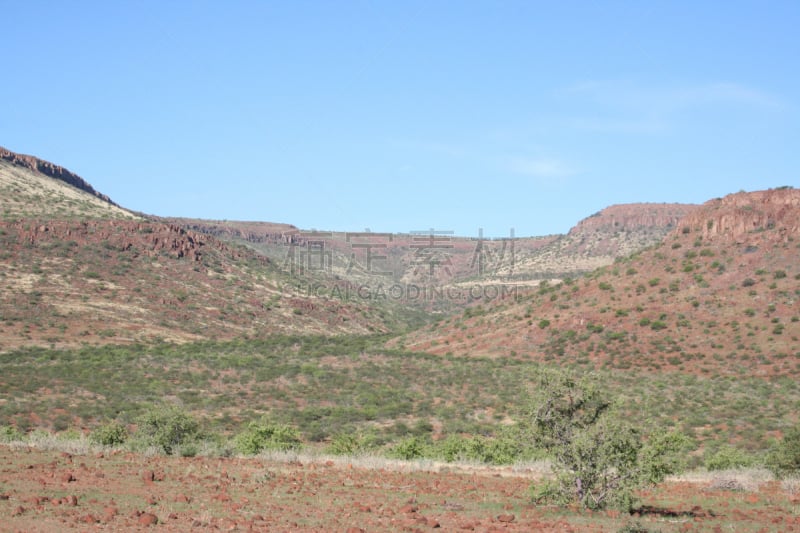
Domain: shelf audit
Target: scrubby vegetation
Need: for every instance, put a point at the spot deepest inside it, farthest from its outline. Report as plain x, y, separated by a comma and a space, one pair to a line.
353, 395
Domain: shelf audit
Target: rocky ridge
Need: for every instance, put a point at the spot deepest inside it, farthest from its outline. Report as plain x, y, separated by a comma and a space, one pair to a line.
51, 170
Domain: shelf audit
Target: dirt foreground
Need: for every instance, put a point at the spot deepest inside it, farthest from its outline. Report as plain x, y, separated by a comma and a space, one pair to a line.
50, 490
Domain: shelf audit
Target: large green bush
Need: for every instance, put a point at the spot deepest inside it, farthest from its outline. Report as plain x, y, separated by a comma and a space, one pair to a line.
784, 457
266, 436
110, 434
599, 458
410, 448
728, 457
349, 443
506, 447
168, 428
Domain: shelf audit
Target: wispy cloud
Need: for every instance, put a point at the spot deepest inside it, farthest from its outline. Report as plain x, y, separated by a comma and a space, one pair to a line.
630, 107
539, 167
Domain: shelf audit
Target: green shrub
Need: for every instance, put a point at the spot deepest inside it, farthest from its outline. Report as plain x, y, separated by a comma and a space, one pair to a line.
599, 458
410, 448
266, 436
504, 448
784, 457
111, 434
167, 428
352, 443
728, 457
10, 434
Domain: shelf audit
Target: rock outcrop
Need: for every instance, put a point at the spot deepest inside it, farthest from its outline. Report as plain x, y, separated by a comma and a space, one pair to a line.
628, 217
746, 212
51, 170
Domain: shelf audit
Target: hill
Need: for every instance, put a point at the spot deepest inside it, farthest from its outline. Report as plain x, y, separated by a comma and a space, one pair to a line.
410, 267
75, 268
31, 187
717, 295
601, 238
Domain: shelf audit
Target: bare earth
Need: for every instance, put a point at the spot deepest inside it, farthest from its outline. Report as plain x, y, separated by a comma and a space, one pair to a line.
45, 490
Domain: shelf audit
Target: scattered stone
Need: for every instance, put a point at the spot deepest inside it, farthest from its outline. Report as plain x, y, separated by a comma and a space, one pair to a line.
89, 519
182, 498
109, 513
148, 476
506, 518
67, 478
148, 519
409, 508
18, 511
726, 484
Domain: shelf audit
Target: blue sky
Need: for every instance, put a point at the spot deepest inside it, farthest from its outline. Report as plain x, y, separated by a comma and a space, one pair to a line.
402, 116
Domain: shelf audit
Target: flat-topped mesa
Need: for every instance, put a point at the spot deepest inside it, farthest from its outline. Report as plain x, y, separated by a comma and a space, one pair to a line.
51, 170
634, 216
742, 213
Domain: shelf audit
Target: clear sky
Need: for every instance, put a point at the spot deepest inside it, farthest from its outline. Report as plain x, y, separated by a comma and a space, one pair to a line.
406, 115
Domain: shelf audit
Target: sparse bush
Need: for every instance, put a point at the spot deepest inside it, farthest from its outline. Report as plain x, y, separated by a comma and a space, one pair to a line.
266, 436
111, 434
167, 428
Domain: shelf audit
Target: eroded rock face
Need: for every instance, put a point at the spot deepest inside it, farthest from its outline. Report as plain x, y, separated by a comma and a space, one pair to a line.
149, 238
52, 170
745, 212
634, 216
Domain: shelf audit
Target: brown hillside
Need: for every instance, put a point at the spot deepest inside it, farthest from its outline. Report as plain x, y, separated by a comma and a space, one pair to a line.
719, 295
599, 239
51, 170
67, 283
33, 188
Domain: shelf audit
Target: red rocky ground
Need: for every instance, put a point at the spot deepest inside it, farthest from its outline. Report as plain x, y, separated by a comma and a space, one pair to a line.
43, 491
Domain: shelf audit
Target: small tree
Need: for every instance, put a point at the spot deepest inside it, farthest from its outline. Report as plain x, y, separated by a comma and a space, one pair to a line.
784, 458
599, 458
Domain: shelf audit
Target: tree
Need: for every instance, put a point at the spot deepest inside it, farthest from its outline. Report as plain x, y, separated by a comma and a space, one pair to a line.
599, 459
784, 458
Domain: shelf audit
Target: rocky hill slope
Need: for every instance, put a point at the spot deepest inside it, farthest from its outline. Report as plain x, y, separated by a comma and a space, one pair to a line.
31, 187
75, 268
460, 266
65, 283
719, 294
601, 238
